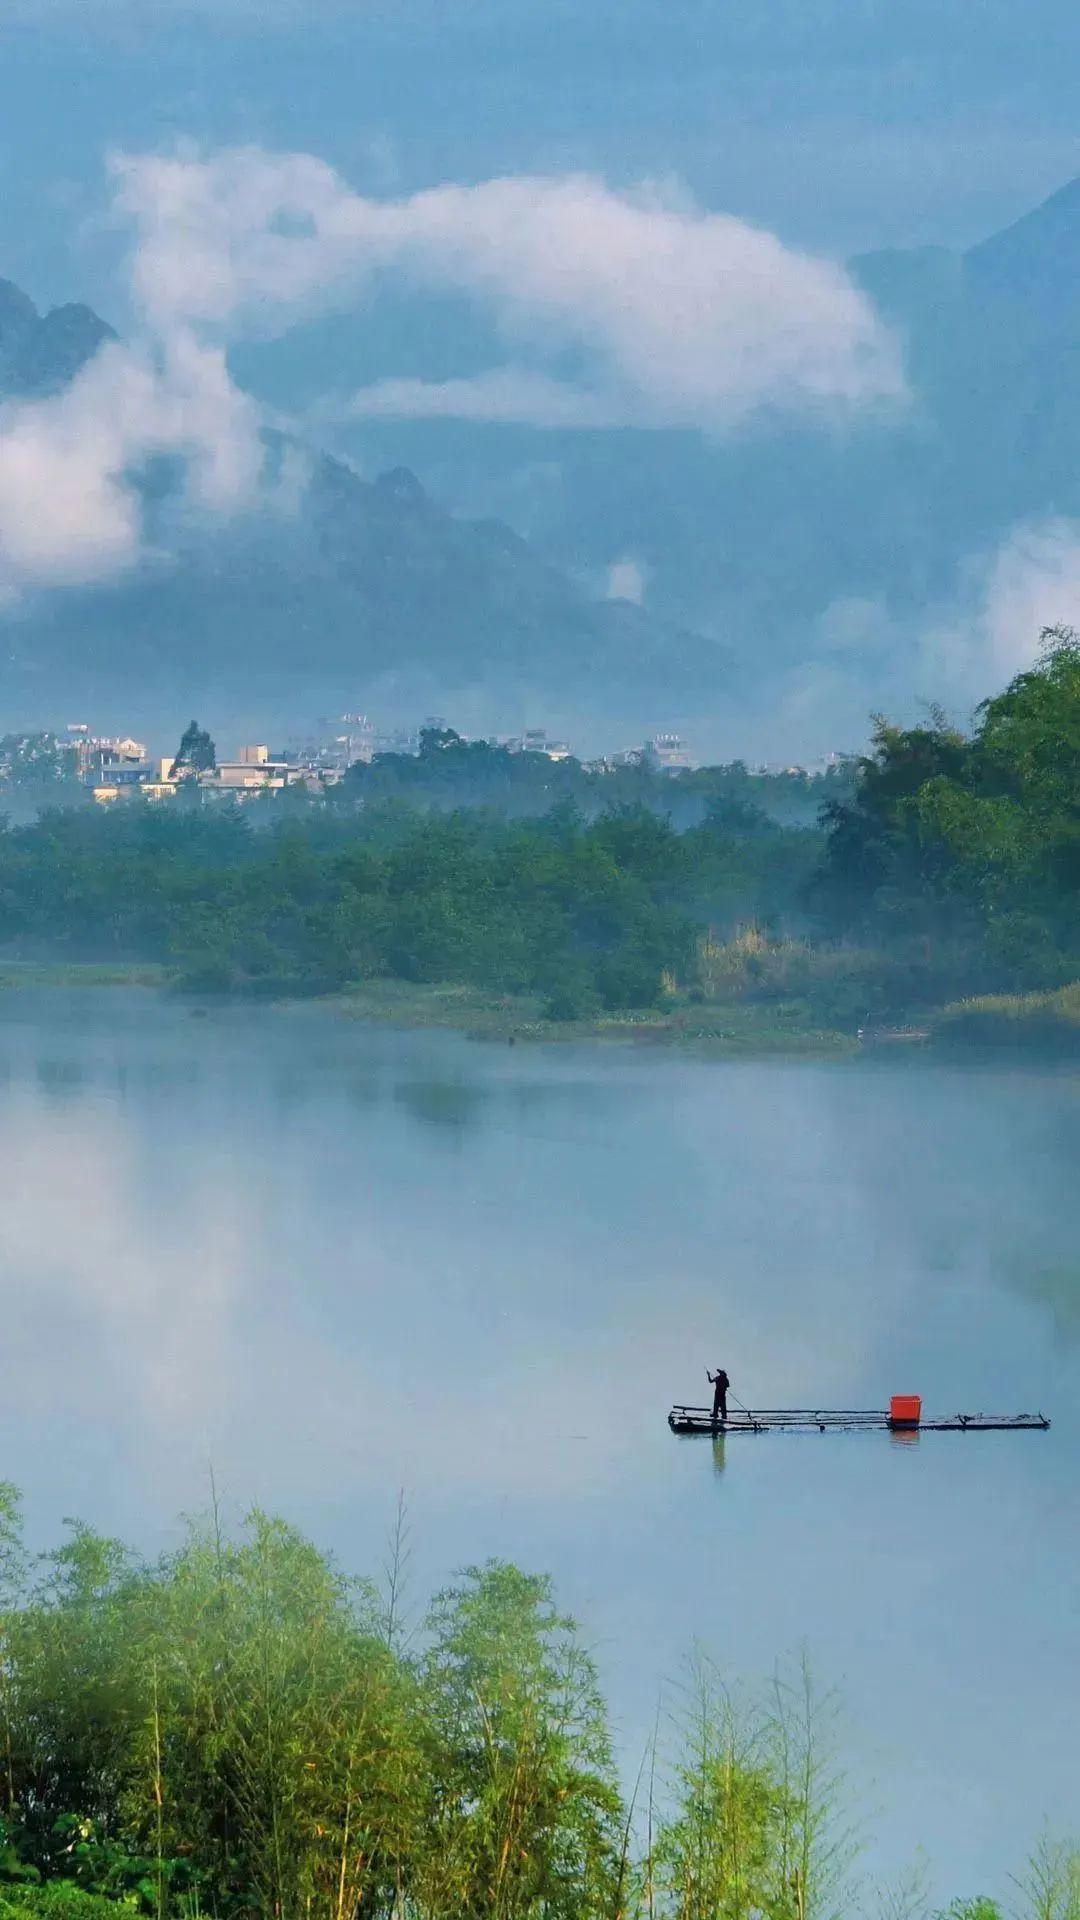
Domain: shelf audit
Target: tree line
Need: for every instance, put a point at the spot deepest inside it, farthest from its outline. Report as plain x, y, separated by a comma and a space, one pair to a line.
450, 772
586, 915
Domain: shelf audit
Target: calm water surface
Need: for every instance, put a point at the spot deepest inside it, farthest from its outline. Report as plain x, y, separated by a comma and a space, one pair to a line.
335, 1261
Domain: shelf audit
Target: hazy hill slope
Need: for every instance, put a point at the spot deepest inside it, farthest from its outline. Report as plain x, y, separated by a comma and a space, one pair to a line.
359, 590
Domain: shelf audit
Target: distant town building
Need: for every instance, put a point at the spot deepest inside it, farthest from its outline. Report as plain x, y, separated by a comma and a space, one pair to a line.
358, 742
106, 760
253, 771
665, 753
116, 763
113, 766
535, 740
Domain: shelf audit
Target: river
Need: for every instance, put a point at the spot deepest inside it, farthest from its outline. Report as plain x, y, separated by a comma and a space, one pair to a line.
330, 1261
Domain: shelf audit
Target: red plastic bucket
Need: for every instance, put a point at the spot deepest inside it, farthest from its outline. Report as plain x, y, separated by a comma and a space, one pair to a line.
905, 1410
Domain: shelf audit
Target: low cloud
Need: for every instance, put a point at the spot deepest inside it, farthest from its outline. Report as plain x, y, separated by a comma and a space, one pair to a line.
508, 395
626, 581
870, 655
672, 317
1031, 582
678, 317
972, 647
69, 506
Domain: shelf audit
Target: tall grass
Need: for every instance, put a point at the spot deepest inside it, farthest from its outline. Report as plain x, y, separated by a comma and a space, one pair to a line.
1044, 1023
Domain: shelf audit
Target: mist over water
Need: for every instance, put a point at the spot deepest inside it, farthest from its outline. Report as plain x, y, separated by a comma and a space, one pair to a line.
332, 1261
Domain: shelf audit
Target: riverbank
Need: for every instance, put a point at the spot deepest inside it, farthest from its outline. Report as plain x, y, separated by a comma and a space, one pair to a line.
83, 973
737, 1028
1034, 1025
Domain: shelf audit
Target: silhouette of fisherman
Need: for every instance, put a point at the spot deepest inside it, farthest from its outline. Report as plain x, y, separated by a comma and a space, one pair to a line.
720, 1385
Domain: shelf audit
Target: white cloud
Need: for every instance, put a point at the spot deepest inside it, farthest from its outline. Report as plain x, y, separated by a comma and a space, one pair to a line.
504, 394
682, 318
69, 511
971, 649
626, 581
868, 654
676, 318
1033, 582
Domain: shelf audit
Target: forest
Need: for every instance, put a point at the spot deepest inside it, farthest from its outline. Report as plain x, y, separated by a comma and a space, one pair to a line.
238, 1728
940, 881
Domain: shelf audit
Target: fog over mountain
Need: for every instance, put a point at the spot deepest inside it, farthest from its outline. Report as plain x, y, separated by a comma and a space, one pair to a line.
335, 588
564, 545
910, 554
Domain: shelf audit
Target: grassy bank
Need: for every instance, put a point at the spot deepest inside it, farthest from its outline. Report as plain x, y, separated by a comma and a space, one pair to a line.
751, 998
82, 973
1040, 1024
722, 1027
719, 1028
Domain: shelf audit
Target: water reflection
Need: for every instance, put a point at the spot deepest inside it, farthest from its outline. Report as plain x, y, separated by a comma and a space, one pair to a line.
443, 1103
1055, 1288
59, 1076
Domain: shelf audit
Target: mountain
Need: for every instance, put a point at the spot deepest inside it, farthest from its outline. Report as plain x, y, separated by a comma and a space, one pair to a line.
993, 341
40, 353
1035, 262
363, 593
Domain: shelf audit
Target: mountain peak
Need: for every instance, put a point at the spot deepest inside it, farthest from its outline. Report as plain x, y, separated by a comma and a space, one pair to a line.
401, 484
40, 353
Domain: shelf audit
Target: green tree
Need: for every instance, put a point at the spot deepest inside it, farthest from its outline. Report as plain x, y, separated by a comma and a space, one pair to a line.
195, 754
525, 1815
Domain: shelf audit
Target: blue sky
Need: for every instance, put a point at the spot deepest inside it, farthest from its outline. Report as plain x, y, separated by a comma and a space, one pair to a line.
839, 125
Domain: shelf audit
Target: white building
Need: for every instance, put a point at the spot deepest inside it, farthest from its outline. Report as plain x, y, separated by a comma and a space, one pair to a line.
665, 753
535, 740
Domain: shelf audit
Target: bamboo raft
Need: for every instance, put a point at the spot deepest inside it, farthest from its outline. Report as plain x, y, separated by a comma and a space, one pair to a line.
847, 1420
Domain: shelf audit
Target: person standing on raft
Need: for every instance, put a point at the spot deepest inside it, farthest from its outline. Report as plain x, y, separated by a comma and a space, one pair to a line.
720, 1385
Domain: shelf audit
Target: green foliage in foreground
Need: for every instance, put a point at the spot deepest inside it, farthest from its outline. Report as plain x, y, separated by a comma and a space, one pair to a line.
239, 1729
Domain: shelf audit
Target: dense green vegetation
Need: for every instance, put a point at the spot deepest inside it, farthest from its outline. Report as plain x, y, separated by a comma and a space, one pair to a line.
239, 1729
587, 916
945, 868
971, 841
